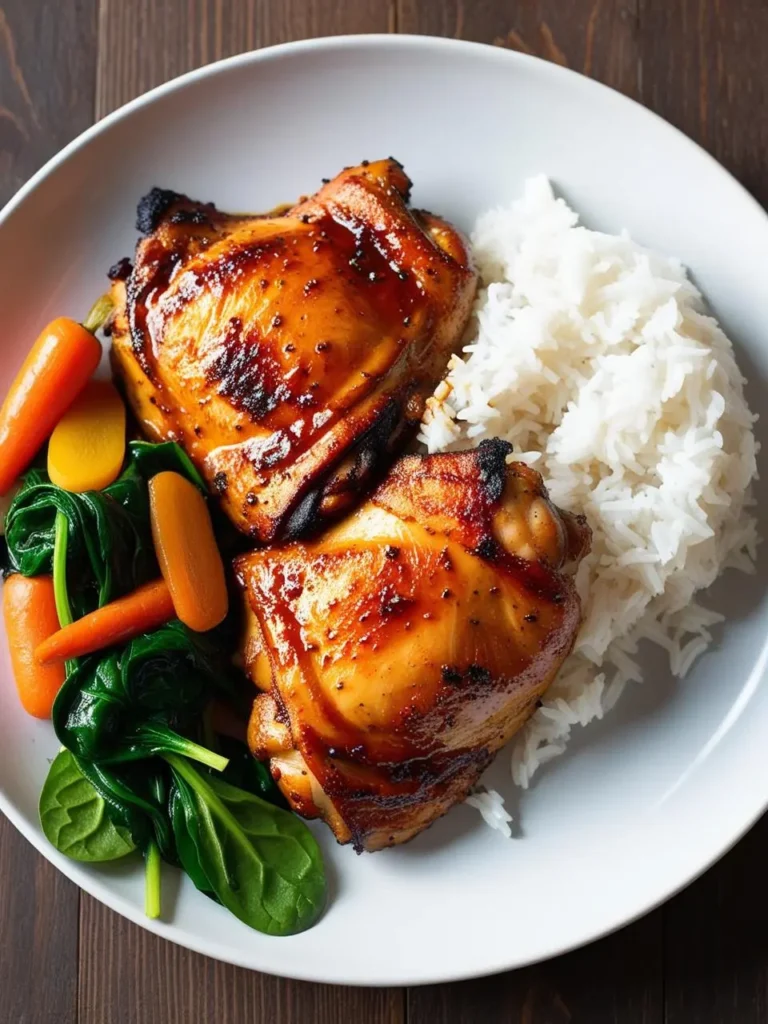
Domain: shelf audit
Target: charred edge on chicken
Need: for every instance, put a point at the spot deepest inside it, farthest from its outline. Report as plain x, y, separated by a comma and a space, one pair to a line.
430, 777
121, 270
492, 463
360, 468
406, 192
154, 206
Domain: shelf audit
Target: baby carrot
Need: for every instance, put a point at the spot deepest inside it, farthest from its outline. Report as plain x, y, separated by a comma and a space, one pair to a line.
87, 446
187, 552
145, 609
29, 609
53, 374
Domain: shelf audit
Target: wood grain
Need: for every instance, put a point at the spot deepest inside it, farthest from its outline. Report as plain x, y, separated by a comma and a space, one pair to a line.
716, 941
47, 68
601, 38
38, 936
178, 35
615, 981
129, 976
704, 69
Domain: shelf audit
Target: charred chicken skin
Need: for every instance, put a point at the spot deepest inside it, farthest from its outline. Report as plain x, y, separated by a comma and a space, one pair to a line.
402, 649
290, 355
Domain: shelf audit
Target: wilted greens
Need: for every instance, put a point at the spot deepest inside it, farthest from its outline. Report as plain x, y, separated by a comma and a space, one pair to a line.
136, 799
260, 861
129, 703
75, 818
132, 718
109, 539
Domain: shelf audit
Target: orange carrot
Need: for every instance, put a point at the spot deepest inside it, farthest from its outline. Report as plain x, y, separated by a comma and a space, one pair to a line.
29, 609
187, 552
55, 371
87, 447
116, 623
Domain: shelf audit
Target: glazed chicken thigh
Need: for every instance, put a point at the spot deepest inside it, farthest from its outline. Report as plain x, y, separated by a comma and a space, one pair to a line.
290, 355
400, 651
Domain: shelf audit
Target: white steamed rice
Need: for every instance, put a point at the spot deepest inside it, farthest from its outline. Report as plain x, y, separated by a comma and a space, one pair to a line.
596, 359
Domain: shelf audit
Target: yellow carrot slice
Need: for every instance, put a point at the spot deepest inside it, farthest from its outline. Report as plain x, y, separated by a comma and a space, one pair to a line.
29, 610
53, 374
147, 608
87, 447
187, 552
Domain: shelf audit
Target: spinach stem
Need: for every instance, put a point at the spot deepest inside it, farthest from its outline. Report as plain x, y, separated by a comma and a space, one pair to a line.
195, 752
60, 593
159, 739
178, 764
152, 881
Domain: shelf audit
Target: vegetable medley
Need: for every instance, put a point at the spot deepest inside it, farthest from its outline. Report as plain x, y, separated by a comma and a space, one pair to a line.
117, 613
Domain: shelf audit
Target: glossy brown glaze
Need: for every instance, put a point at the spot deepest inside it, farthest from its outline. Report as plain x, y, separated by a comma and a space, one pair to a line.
290, 355
400, 651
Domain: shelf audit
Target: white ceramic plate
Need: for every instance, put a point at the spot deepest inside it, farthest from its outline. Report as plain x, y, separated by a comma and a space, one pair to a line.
644, 801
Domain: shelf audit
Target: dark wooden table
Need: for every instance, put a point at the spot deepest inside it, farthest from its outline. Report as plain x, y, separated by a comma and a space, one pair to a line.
701, 959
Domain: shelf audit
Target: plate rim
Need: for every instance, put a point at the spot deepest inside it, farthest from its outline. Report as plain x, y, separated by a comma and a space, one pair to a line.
99, 887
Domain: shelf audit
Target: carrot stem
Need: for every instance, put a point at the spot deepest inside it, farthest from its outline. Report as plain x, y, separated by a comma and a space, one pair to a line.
54, 373
98, 313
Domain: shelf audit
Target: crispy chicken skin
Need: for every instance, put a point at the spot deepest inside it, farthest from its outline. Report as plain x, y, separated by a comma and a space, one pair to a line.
291, 355
400, 651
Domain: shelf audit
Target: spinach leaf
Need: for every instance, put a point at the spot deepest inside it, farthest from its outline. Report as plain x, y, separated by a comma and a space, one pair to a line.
262, 862
110, 550
150, 459
242, 772
131, 797
130, 703
74, 817
185, 846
